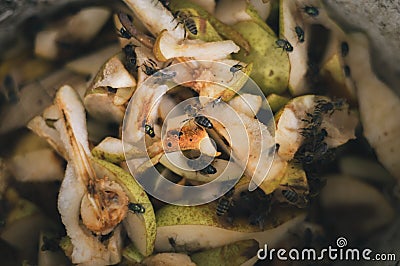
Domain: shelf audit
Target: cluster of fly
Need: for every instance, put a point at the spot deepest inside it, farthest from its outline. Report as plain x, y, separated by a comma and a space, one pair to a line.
314, 151
285, 44
254, 205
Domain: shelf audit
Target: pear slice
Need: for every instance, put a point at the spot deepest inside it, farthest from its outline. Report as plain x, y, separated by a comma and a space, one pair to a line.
231, 12
194, 228
345, 197
111, 88
132, 254
110, 149
294, 179
290, 17
168, 259
231, 254
248, 104
22, 224
74, 199
79, 29
220, 81
270, 65
37, 166
379, 106
365, 169
43, 126
141, 227
208, 5
333, 71
91, 63
156, 18
224, 30
167, 47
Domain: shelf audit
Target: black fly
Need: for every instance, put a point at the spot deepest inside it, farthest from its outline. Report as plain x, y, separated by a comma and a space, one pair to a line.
344, 46
203, 121
236, 68
347, 71
123, 33
311, 11
136, 208
284, 44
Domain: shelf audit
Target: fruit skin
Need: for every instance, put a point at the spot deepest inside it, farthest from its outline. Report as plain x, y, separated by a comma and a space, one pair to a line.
270, 65
276, 102
231, 254
135, 194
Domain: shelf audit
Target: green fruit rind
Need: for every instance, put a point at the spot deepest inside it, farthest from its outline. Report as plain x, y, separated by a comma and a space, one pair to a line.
277, 102
206, 215
271, 65
132, 254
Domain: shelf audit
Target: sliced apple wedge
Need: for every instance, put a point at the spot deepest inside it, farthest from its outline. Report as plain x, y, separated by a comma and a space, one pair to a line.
167, 47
